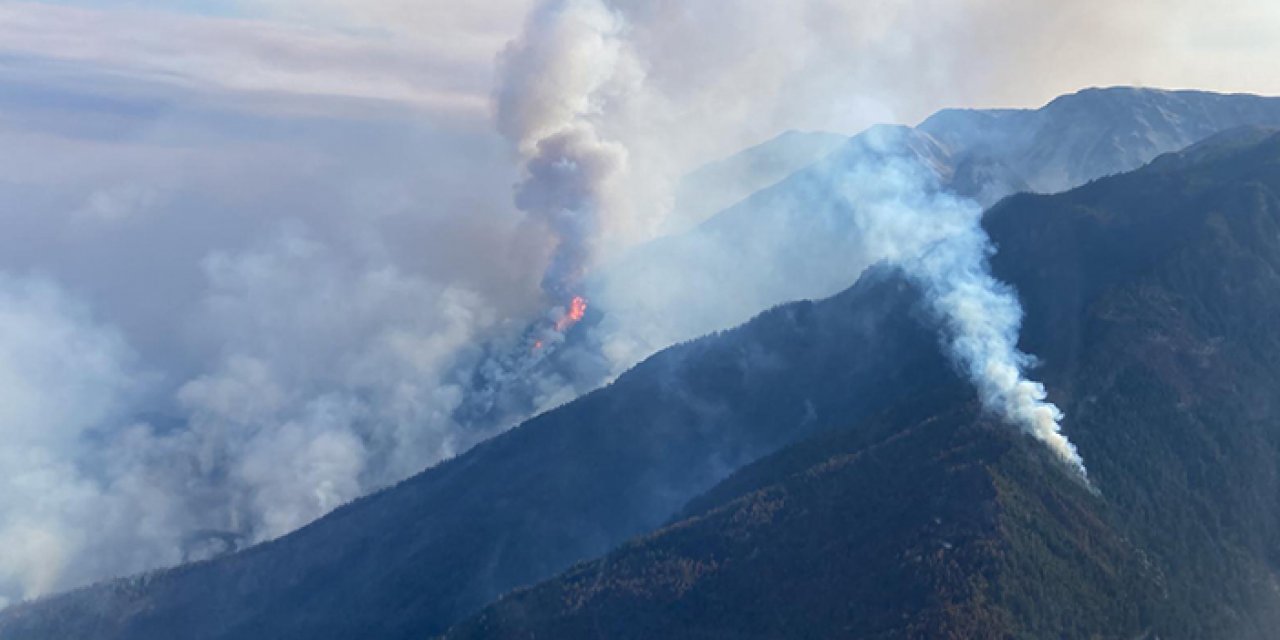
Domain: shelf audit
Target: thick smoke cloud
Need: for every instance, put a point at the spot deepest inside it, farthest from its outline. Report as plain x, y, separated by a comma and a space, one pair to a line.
332, 380
244, 319
553, 82
63, 376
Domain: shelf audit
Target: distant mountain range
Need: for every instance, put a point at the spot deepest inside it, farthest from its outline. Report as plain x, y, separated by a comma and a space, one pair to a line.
821, 471
793, 241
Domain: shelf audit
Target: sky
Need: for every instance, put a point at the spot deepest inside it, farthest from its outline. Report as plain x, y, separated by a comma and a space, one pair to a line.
247, 244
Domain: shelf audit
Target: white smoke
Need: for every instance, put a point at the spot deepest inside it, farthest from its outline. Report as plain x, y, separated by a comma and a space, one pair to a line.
902, 216
63, 377
982, 318
333, 381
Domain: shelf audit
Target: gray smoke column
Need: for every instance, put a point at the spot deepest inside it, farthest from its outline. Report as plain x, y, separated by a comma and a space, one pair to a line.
904, 217
554, 81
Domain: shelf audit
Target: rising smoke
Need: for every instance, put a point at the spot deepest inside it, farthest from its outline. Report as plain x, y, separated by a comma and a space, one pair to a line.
904, 217
555, 81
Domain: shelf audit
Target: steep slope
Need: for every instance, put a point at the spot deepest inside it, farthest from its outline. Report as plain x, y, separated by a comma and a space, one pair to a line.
1153, 297
563, 487
904, 536
1161, 291
794, 240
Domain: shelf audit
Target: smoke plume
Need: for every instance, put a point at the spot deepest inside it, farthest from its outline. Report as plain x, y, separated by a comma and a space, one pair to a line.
555, 81
906, 218
981, 318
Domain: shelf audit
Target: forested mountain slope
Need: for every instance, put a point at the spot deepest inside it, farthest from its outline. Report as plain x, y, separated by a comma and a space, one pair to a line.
1153, 298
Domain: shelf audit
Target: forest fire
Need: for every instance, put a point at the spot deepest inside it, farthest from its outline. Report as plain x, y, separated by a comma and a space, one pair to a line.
573, 315
577, 309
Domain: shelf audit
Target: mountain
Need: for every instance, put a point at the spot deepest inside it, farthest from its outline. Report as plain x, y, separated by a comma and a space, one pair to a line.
904, 535
572, 484
794, 240
1152, 298
1085, 135
563, 487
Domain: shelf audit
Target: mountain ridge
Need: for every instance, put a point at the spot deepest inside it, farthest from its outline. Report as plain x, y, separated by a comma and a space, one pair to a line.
413, 560
1168, 381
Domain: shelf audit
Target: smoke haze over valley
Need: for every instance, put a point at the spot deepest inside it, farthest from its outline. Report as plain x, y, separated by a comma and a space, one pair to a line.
261, 259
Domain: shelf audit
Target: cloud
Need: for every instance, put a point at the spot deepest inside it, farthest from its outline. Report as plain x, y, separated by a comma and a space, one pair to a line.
447, 74
119, 204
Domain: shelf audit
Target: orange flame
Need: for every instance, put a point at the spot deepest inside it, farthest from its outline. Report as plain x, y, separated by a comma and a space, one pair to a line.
577, 310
